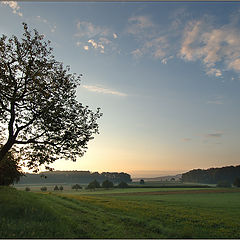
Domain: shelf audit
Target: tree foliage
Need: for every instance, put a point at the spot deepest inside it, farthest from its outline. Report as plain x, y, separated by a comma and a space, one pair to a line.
212, 175
123, 185
74, 177
236, 182
76, 187
142, 181
9, 169
107, 184
43, 189
224, 184
94, 184
39, 113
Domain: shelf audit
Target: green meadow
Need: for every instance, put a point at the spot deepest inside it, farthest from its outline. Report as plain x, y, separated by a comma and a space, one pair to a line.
120, 213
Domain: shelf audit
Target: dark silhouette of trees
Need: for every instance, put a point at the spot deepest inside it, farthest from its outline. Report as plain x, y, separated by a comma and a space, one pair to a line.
94, 184
107, 184
212, 175
56, 188
61, 188
39, 113
141, 181
74, 176
237, 182
43, 189
10, 171
27, 189
76, 187
123, 185
224, 184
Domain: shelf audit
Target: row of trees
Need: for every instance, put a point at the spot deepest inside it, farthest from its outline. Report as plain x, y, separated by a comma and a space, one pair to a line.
74, 176
105, 184
212, 175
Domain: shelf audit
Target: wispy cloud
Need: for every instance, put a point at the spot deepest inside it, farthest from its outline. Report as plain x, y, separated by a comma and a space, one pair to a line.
98, 89
150, 41
138, 24
214, 135
186, 139
14, 6
51, 26
94, 36
216, 100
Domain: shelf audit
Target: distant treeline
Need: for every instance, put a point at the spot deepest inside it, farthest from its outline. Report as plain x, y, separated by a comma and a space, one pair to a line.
212, 175
74, 177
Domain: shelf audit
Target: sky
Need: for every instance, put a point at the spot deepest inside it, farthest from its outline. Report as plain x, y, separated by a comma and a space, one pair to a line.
166, 76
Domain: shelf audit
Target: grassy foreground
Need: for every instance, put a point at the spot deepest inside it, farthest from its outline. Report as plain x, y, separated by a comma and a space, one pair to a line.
60, 215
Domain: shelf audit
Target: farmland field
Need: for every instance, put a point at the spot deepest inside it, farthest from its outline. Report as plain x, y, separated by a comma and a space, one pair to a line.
120, 213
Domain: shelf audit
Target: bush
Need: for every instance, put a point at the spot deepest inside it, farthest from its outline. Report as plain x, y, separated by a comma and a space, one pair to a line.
10, 171
224, 184
107, 184
61, 188
142, 181
94, 184
43, 189
123, 185
27, 189
76, 187
56, 188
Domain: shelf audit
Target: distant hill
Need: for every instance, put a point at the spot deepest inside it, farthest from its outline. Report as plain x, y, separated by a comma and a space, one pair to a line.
163, 178
73, 177
212, 175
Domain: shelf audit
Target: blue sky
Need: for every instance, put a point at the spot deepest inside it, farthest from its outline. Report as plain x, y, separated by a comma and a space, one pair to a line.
166, 76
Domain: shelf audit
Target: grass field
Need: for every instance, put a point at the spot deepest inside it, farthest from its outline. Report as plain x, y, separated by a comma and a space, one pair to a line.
120, 213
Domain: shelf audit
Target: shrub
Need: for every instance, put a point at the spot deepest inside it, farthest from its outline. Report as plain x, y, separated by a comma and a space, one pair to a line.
61, 188
76, 187
27, 189
123, 185
94, 184
56, 188
107, 184
43, 189
142, 181
224, 184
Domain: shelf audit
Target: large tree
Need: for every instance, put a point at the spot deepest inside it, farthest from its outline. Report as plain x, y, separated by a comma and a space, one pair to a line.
39, 113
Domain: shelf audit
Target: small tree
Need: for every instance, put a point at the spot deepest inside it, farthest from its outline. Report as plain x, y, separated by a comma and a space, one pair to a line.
142, 181
56, 188
107, 184
123, 185
43, 189
237, 182
61, 188
27, 189
94, 184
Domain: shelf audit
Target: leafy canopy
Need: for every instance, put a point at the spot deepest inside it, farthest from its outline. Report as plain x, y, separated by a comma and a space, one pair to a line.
39, 113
